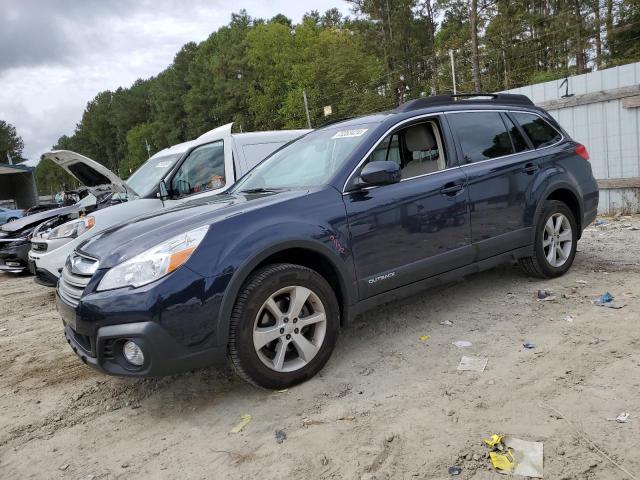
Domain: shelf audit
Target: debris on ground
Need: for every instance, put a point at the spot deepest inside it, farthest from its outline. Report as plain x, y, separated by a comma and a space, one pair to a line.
568, 318
280, 436
622, 418
529, 345
542, 294
606, 300
462, 343
455, 470
447, 323
244, 421
472, 364
600, 223
424, 338
514, 456
582, 282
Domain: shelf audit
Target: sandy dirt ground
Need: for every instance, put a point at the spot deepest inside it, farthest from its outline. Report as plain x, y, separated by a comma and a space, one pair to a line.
387, 405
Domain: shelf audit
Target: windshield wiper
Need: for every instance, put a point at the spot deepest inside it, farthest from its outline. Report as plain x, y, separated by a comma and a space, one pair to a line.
261, 190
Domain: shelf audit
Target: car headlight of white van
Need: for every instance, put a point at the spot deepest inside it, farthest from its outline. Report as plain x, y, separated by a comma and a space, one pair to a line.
72, 229
154, 263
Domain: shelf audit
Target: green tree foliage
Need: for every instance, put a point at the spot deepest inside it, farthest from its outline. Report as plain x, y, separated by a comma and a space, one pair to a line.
140, 147
11, 144
252, 72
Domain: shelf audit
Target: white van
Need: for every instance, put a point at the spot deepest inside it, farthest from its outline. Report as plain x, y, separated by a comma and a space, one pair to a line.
196, 169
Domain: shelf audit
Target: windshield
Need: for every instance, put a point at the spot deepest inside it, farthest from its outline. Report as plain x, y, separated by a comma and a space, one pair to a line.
144, 179
309, 161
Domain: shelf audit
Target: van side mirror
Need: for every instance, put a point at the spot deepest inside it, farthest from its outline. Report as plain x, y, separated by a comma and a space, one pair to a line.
380, 173
163, 193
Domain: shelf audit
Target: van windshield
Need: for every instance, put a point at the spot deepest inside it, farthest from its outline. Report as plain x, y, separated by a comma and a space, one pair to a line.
145, 178
309, 161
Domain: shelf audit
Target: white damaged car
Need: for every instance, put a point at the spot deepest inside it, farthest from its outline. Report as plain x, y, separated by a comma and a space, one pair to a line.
206, 166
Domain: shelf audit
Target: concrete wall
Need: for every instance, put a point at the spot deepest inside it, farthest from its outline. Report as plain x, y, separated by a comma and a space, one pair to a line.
596, 116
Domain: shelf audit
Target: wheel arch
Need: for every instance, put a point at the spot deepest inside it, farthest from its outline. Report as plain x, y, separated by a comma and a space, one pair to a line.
310, 254
571, 199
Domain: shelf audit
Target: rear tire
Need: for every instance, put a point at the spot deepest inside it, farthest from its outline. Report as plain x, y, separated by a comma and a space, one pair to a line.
284, 326
555, 242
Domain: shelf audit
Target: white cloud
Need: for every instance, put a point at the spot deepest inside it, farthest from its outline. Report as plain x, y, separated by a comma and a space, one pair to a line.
56, 56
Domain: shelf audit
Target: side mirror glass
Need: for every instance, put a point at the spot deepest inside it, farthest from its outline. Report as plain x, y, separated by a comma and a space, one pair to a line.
380, 173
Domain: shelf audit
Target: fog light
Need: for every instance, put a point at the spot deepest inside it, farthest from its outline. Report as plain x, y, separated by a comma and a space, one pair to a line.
133, 353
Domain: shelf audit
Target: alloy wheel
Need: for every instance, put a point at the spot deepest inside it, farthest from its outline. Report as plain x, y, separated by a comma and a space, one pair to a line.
289, 329
557, 240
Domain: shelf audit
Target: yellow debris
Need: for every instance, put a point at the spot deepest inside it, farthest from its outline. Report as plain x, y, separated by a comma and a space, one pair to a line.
245, 419
424, 338
493, 441
503, 461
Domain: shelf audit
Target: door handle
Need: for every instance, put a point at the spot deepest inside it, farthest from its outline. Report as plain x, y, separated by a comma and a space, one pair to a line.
452, 189
530, 168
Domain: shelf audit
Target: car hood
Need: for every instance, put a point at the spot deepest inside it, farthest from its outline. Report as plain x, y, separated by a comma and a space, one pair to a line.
127, 240
88, 172
38, 218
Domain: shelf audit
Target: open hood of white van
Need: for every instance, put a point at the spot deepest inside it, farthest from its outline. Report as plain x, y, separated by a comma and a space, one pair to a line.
88, 172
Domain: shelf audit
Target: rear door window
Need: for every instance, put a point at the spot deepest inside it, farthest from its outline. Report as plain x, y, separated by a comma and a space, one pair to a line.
538, 130
482, 135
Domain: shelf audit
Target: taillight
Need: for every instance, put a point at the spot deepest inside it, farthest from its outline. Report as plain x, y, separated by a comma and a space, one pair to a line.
582, 151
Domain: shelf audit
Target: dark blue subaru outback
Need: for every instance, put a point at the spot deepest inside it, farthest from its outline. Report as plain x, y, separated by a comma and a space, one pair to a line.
350, 216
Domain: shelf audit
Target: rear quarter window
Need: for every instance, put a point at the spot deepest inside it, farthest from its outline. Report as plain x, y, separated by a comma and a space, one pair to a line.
538, 130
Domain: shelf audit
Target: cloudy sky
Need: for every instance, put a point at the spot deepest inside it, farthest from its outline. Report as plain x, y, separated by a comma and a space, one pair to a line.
55, 56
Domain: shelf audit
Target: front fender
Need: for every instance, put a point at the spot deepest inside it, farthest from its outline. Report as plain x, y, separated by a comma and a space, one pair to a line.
345, 275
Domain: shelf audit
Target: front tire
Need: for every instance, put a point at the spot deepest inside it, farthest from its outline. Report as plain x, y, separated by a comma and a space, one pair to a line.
283, 327
555, 242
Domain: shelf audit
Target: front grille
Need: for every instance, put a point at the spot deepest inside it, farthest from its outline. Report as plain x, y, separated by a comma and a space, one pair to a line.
72, 284
39, 247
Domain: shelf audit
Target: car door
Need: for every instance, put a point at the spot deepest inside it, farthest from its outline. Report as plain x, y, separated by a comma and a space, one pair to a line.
207, 170
419, 227
500, 167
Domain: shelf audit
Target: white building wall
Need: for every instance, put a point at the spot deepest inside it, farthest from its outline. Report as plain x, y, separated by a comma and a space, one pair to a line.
610, 132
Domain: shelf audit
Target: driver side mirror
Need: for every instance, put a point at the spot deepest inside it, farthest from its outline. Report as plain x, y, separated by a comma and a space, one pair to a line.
380, 173
163, 193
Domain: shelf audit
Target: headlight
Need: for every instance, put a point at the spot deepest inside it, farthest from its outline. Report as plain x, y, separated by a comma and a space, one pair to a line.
72, 229
155, 263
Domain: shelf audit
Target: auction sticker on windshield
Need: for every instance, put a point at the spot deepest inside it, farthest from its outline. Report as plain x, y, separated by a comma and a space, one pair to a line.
357, 132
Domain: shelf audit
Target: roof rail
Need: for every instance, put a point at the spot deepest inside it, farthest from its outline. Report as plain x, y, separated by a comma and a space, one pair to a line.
436, 100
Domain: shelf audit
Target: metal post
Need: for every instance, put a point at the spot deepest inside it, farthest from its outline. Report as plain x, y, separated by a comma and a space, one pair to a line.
453, 72
306, 107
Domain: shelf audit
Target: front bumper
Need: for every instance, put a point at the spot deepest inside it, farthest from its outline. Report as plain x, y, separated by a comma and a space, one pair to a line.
13, 258
163, 355
174, 321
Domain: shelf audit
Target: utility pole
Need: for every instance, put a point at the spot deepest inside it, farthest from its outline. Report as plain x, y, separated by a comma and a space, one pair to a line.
306, 107
453, 72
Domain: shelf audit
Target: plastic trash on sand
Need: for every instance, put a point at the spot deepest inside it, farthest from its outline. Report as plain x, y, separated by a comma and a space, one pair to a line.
510, 455
423, 338
606, 300
622, 418
529, 345
244, 421
462, 343
472, 364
